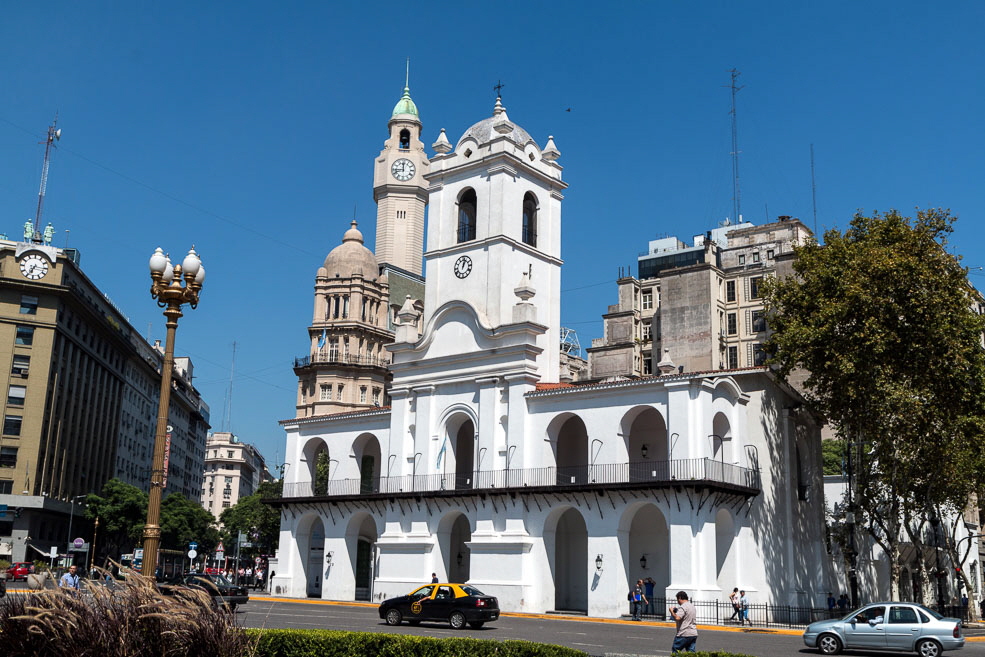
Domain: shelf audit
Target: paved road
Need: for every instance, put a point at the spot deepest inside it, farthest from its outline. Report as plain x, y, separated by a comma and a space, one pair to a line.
596, 637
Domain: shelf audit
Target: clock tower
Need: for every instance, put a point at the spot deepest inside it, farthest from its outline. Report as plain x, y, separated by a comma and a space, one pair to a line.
400, 191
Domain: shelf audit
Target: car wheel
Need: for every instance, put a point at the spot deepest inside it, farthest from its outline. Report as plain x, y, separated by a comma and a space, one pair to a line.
457, 620
475, 625
829, 644
928, 648
393, 617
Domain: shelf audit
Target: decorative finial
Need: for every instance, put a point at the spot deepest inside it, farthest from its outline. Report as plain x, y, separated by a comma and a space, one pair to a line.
499, 88
407, 79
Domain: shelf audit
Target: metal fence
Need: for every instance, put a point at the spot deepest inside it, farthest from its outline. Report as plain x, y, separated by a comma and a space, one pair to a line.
662, 472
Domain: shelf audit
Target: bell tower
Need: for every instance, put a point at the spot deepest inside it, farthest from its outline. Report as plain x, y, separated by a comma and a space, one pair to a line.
400, 190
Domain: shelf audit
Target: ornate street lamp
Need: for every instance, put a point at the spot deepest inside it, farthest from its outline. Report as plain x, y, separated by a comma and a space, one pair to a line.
167, 288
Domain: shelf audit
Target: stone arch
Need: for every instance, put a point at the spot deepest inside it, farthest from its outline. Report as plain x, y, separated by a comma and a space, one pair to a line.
367, 456
310, 538
566, 542
569, 442
644, 532
644, 433
529, 228
454, 532
361, 535
467, 212
315, 450
456, 456
726, 551
722, 445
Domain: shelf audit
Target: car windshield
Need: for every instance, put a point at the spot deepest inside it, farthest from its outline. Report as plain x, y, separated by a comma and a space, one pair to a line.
932, 613
219, 579
471, 590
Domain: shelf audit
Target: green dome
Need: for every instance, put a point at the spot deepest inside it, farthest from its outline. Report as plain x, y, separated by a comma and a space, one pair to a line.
405, 105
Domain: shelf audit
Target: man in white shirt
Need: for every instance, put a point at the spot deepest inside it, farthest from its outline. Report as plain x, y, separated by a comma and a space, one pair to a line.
687, 631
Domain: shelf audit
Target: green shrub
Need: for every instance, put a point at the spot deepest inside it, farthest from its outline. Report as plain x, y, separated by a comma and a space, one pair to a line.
332, 643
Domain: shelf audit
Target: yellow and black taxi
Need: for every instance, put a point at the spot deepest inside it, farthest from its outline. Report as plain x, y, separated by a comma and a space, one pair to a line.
457, 604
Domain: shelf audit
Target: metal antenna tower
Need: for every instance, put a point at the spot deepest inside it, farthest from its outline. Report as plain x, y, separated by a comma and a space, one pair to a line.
813, 191
227, 416
53, 135
736, 196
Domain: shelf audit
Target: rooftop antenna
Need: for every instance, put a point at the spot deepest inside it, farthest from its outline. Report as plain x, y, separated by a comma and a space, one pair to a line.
227, 417
53, 135
813, 190
736, 197
407, 77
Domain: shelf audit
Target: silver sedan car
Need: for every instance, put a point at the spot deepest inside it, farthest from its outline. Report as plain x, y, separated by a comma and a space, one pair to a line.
896, 626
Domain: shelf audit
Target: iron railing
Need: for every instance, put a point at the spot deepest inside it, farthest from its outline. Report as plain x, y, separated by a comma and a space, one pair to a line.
345, 359
679, 471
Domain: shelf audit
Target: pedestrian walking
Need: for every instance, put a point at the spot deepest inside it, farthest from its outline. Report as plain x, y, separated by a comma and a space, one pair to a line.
638, 599
70, 580
736, 609
687, 630
258, 583
744, 604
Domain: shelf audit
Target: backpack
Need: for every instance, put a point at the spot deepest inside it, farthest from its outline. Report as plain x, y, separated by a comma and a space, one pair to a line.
629, 596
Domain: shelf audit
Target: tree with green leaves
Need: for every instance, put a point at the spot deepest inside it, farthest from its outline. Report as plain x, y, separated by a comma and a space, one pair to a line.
184, 521
885, 323
259, 521
122, 513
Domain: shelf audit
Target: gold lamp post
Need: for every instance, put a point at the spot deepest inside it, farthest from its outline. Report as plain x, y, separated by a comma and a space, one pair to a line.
167, 288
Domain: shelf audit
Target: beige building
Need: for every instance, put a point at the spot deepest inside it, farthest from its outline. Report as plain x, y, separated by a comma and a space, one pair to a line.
81, 384
696, 307
233, 470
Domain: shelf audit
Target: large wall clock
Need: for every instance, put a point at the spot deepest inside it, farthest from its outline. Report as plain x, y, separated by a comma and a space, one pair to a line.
463, 266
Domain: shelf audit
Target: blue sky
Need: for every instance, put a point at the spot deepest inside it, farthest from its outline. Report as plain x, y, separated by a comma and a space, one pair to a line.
249, 130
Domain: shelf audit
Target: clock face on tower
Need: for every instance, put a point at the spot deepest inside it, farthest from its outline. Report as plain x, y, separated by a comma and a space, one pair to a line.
463, 266
403, 169
34, 267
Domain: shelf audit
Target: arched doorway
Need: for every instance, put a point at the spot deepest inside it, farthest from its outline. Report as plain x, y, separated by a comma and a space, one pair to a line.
571, 562
317, 462
459, 559
646, 446
726, 556
361, 541
572, 452
366, 451
464, 455
648, 552
311, 540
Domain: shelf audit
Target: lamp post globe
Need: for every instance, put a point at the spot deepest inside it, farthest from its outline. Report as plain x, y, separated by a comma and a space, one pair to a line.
172, 286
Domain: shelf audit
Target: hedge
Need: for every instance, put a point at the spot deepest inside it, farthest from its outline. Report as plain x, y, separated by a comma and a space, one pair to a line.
335, 643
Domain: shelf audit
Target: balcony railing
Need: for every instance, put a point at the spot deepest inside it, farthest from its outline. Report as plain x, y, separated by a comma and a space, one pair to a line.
642, 473
345, 359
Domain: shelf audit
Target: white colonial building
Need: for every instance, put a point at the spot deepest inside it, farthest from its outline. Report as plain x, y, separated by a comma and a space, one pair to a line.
486, 468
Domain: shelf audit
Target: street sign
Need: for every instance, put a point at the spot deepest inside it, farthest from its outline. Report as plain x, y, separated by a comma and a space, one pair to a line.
192, 554
193, 545
220, 555
242, 537
54, 552
84, 547
78, 542
257, 560
246, 545
219, 547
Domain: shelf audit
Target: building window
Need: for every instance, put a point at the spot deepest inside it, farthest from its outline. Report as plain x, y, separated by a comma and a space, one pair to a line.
25, 335
376, 396
333, 349
405, 139
341, 388
755, 256
758, 321
647, 299
770, 254
758, 355
733, 357
16, 394
754, 284
362, 394
325, 393
466, 216
647, 364
732, 324
29, 305
742, 260
12, 425
229, 455
8, 457
225, 505
6, 488
729, 291
646, 331
529, 219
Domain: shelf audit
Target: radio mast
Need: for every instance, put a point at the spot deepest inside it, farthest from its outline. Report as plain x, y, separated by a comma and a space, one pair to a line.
53, 135
736, 196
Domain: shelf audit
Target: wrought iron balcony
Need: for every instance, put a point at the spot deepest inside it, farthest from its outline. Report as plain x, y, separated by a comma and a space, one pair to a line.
636, 475
344, 359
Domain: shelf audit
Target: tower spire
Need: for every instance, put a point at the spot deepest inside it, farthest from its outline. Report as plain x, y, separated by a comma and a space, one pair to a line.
407, 77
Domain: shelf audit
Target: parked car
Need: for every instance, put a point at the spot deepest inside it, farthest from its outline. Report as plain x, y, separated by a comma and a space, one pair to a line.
457, 604
19, 570
897, 626
224, 592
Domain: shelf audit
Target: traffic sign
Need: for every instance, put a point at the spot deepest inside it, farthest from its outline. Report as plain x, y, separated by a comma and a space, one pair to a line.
192, 554
220, 555
193, 545
219, 547
246, 545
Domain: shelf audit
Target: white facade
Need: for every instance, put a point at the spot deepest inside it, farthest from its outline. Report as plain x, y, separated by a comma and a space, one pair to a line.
547, 495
